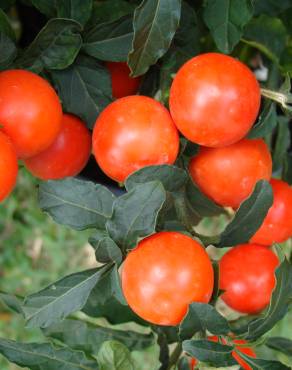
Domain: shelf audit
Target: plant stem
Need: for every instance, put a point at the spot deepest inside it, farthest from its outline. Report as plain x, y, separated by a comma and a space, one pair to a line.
285, 100
175, 356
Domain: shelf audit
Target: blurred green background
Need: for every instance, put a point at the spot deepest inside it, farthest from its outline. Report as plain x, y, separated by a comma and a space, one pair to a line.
34, 251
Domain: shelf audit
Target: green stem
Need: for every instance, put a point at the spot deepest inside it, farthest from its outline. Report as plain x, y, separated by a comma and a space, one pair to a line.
174, 357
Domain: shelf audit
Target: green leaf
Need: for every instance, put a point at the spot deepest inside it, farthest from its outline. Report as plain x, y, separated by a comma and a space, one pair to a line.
84, 88
249, 216
8, 51
278, 306
172, 178
215, 354
38, 356
135, 214
55, 47
80, 335
76, 203
78, 10
266, 34
112, 310
114, 356
163, 349
12, 302
287, 169
187, 37
282, 143
106, 249
199, 203
271, 7
6, 4
109, 286
226, 20
283, 345
5, 26
155, 23
202, 317
58, 300
46, 7
260, 364
110, 41
109, 10
266, 123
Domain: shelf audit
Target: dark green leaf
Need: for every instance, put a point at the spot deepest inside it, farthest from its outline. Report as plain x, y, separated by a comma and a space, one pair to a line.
226, 20
8, 51
110, 41
47, 7
163, 349
78, 10
260, 364
155, 23
249, 216
106, 249
76, 203
184, 363
84, 88
271, 7
5, 26
110, 10
112, 310
278, 306
6, 4
200, 203
281, 145
266, 123
114, 356
135, 214
37, 356
12, 302
215, 354
283, 345
83, 336
202, 317
172, 178
109, 286
187, 37
55, 47
287, 169
58, 300
266, 34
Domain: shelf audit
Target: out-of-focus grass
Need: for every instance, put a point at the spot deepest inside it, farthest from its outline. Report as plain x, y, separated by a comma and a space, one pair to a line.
35, 251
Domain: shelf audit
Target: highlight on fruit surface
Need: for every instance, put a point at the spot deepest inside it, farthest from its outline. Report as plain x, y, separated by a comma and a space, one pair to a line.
164, 274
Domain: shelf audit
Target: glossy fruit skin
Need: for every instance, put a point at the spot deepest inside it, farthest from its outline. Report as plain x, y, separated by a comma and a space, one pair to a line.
277, 226
245, 350
164, 274
8, 166
228, 175
132, 133
247, 275
214, 100
68, 154
30, 111
122, 83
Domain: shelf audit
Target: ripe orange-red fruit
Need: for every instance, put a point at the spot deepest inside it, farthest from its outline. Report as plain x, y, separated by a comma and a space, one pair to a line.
30, 111
8, 166
228, 175
247, 276
214, 100
245, 350
132, 133
122, 83
277, 226
68, 154
164, 274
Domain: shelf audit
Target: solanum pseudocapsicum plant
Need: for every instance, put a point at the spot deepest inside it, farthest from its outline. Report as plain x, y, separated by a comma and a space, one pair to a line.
154, 267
